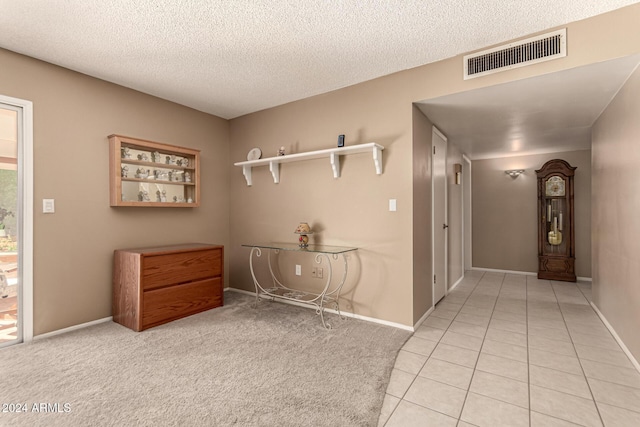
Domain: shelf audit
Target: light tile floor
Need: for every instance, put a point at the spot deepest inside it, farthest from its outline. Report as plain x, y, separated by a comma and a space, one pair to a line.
512, 350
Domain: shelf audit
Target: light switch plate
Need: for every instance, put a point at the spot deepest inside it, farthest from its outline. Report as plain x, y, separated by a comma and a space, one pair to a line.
393, 206
48, 206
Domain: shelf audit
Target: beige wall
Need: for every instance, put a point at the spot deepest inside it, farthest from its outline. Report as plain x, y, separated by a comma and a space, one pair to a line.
422, 234
615, 213
73, 115
348, 211
505, 227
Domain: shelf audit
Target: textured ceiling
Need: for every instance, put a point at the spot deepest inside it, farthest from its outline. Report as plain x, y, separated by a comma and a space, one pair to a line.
230, 58
549, 113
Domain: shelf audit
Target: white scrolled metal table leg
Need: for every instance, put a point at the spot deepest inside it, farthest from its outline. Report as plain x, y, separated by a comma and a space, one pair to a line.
320, 308
273, 276
339, 287
259, 288
258, 253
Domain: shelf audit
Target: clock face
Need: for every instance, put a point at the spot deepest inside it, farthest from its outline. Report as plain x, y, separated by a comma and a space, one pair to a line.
555, 186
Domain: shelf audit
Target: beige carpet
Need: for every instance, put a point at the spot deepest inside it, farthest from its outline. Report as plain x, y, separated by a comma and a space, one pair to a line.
235, 365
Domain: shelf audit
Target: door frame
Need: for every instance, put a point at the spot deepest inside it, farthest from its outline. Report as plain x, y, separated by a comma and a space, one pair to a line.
433, 226
25, 197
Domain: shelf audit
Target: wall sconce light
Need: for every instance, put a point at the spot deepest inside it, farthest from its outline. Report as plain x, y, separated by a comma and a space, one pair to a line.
514, 173
458, 170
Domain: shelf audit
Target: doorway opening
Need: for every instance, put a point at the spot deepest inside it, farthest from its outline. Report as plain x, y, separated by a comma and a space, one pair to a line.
16, 221
9, 231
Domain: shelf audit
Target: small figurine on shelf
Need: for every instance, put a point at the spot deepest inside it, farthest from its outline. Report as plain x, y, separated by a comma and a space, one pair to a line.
281, 151
187, 177
124, 171
161, 196
143, 156
178, 199
184, 162
189, 200
125, 153
142, 173
161, 175
157, 157
143, 196
171, 160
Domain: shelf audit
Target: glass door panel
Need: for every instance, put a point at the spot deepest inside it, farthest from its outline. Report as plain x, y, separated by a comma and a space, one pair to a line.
10, 292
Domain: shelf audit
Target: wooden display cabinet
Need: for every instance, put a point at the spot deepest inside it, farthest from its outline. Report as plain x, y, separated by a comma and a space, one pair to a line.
151, 174
556, 229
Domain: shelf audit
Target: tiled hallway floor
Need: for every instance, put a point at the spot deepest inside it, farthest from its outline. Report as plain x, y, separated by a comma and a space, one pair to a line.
512, 350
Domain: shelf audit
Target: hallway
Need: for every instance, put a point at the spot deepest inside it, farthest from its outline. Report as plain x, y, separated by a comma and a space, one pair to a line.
512, 350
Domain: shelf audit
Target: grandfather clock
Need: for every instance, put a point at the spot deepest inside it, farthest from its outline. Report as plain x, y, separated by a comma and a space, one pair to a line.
556, 235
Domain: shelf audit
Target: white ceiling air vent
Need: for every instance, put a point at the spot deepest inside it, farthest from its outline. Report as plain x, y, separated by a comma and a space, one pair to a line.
524, 52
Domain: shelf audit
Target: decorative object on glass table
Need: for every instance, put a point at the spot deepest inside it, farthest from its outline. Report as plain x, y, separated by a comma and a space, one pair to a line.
303, 230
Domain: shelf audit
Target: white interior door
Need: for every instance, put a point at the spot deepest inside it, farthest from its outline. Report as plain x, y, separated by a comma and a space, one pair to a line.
439, 206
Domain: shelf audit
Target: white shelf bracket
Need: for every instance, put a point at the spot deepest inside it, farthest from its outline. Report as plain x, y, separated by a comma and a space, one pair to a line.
246, 171
335, 164
377, 159
274, 167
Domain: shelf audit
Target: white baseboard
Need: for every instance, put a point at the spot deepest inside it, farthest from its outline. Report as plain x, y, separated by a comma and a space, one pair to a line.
328, 310
526, 273
617, 338
495, 270
73, 328
423, 318
456, 284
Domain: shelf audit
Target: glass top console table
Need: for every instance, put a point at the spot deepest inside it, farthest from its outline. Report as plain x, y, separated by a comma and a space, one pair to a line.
328, 295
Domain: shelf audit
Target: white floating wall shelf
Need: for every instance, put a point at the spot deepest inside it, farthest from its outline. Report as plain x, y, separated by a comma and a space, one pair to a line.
332, 153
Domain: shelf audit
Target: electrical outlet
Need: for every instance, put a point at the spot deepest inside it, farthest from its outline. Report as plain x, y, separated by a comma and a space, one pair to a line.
298, 270
319, 273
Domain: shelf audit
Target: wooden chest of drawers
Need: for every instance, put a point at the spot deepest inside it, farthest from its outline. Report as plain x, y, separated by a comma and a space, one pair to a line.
152, 286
